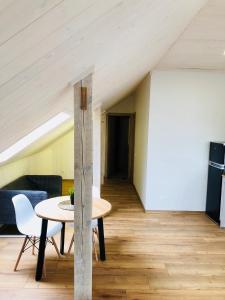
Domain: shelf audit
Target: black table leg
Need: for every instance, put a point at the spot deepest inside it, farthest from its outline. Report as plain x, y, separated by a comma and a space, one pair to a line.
41, 251
101, 239
62, 240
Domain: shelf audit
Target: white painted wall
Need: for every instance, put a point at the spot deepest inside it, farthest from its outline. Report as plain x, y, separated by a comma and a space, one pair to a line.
187, 111
103, 146
142, 97
97, 151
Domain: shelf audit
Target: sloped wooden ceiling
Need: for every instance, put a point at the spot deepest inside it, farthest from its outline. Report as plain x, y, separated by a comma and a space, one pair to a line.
45, 44
202, 45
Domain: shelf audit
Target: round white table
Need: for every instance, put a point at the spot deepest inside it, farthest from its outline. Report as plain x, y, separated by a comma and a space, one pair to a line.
50, 210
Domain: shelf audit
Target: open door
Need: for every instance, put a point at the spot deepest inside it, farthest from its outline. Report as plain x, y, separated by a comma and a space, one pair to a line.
120, 146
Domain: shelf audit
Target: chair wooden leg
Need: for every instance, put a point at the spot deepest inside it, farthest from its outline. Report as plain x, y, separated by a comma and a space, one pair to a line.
56, 248
71, 244
94, 244
96, 232
20, 254
44, 270
33, 248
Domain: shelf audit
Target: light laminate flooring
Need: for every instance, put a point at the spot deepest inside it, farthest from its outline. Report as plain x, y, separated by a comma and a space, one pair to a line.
155, 256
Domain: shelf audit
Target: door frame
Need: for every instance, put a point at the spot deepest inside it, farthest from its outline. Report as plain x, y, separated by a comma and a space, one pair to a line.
131, 138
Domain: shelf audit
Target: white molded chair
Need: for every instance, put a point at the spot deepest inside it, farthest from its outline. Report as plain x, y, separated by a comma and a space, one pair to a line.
94, 225
29, 224
94, 237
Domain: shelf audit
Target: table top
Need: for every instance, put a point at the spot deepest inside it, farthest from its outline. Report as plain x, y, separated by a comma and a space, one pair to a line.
48, 209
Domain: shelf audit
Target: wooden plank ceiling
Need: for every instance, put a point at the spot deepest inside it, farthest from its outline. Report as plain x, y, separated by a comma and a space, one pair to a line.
202, 44
45, 44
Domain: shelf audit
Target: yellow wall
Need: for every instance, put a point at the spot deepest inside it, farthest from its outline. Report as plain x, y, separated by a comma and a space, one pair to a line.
142, 98
41, 162
12, 171
57, 159
126, 105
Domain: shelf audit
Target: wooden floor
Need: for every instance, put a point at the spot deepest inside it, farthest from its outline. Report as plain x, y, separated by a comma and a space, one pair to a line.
155, 256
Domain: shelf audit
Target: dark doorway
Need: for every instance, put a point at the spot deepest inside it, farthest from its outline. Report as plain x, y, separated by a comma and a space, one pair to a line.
120, 146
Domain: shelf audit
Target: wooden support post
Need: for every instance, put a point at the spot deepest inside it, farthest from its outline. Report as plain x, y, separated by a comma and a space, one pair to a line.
83, 173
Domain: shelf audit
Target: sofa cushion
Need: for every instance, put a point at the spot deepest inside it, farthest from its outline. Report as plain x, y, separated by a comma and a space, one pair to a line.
35, 187
7, 213
52, 184
20, 183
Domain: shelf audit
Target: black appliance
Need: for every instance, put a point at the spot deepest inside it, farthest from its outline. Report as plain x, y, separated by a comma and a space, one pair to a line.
215, 172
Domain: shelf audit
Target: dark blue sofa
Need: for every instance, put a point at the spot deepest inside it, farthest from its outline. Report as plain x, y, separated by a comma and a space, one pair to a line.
36, 187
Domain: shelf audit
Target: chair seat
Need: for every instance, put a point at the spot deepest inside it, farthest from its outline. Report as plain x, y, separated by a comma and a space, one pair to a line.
32, 227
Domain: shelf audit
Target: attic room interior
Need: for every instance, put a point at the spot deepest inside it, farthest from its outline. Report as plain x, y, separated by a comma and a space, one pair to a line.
112, 149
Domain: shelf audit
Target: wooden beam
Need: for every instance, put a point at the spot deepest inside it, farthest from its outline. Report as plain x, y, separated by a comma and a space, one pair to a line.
83, 173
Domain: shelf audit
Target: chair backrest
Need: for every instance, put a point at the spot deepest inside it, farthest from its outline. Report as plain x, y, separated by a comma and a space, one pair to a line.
23, 210
95, 192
